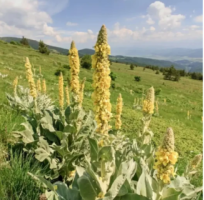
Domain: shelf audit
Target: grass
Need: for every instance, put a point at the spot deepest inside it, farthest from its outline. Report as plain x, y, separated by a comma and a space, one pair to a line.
180, 97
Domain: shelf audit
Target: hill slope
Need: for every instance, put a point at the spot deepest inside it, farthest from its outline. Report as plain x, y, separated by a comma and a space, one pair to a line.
181, 97
192, 66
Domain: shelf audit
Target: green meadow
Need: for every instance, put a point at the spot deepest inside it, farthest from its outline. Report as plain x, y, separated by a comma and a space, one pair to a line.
181, 97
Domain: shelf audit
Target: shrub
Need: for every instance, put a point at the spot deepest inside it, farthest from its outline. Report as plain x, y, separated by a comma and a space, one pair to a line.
158, 91
66, 67
137, 78
113, 76
132, 67
57, 72
24, 41
113, 85
157, 72
86, 62
43, 48
13, 42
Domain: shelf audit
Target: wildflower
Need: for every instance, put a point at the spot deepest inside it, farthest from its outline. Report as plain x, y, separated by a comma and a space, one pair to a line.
39, 85
61, 91
102, 82
166, 158
118, 122
164, 100
101, 143
72, 173
74, 69
29, 76
188, 114
15, 83
81, 92
148, 103
196, 161
67, 95
156, 107
44, 88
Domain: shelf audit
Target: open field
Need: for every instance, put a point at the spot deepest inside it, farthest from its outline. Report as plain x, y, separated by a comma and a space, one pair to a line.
181, 97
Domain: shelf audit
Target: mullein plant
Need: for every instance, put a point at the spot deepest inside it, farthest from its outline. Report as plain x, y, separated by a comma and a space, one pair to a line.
102, 82
74, 69
44, 88
119, 107
148, 109
67, 95
81, 92
39, 85
191, 168
15, 84
61, 91
166, 158
29, 76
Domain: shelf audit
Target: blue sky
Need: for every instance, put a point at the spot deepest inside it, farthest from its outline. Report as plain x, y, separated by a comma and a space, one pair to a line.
131, 24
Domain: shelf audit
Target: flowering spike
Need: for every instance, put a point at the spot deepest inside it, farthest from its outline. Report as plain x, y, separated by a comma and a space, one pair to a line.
101, 82
61, 91
166, 158
44, 88
74, 68
29, 76
81, 92
38, 85
119, 106
15, 83
196, 161
148, 103
67, 95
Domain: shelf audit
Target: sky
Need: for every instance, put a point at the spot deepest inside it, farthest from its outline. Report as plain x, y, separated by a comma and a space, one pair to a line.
131, 24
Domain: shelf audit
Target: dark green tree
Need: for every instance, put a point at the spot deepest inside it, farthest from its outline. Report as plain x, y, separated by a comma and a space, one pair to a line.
86, 62
132, 67
24, 41
43, 48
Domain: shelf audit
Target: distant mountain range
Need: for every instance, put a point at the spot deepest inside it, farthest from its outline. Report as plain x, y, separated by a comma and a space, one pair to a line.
188, 65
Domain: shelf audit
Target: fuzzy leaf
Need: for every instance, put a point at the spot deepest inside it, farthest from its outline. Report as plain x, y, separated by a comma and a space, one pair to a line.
170, 194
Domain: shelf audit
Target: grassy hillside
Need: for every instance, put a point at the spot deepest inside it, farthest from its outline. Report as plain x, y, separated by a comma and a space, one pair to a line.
191, 66
180, 97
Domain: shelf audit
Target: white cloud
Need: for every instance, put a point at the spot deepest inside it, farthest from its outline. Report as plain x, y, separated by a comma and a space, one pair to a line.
194, 27
150, 21
71, 24
166, 20
199, 19
152, 28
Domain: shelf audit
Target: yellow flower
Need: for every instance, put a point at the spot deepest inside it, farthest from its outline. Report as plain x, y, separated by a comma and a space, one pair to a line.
148, 103
119, 106
67, 95
81, 91
44, 88
101, 143
74, 69
15, 83
72, 173
166, 157
39, 85
61, 91
29, 76
101, 82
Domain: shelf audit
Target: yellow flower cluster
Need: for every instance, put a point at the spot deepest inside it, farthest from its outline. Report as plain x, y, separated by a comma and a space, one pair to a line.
81, 91
67, 95
72, 173
61, 91
29, 76
74, 69
44, 88
38, 85
15, 83
119, 106
101, 82
148, 103
196, 161
166, 158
